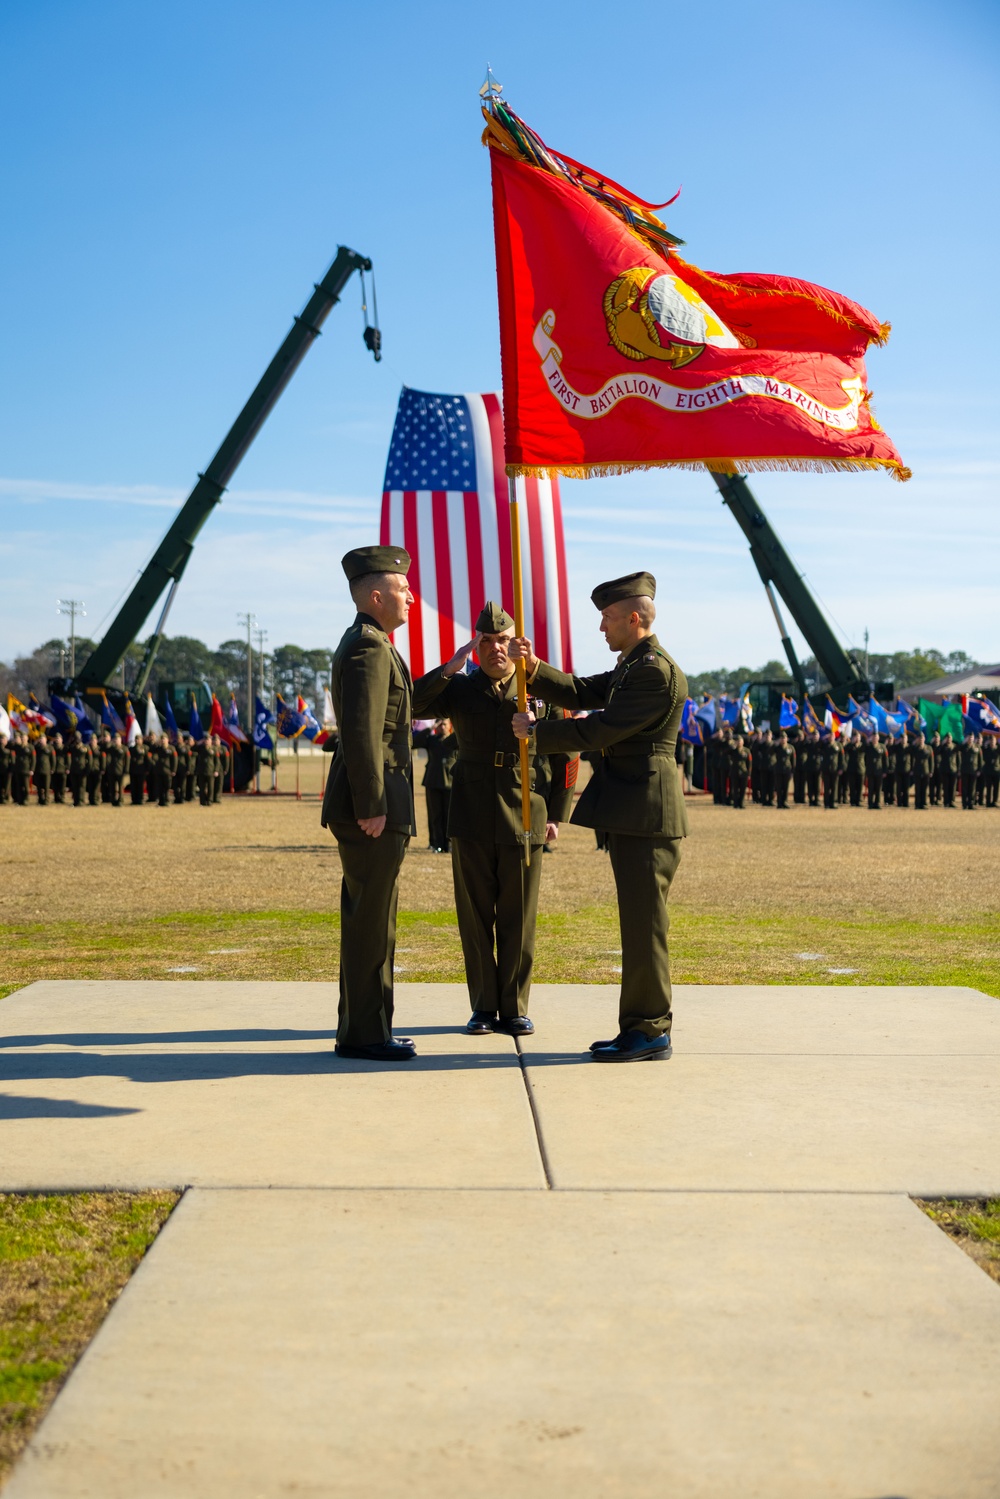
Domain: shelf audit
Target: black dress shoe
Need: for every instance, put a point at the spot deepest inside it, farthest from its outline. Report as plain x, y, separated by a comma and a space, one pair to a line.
515, 1025
382, 1051
481, 1023
634, 1046
612, 1042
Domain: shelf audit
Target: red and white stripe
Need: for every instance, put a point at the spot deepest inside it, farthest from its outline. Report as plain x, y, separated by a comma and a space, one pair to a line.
459, 542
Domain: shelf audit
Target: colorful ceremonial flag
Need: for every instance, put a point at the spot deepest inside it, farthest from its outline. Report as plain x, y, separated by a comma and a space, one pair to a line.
218, 724
153, 724
691, 727
311, 727
931, 715
983, 714
131, 723
262, 717
953, 721
6, 727
617, 354
194, 722
111, 720
445, 500
290, 723
84, 726
706, 714
40, 716
809, 717
236, 734
789, 718
329, 715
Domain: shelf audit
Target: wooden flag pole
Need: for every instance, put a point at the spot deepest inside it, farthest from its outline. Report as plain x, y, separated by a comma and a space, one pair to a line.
522, 676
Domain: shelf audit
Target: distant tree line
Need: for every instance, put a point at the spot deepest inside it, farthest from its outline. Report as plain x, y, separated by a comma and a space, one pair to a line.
903, 668
181, 658
290, 670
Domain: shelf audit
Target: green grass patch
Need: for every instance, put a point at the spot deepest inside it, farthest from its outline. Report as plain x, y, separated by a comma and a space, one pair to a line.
973, 1223
64, 1259
572, 947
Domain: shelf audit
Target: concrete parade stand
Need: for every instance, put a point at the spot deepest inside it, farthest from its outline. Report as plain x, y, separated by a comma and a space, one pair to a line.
492, 1273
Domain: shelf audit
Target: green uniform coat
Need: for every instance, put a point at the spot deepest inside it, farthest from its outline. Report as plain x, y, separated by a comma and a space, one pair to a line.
371, 776
635, 795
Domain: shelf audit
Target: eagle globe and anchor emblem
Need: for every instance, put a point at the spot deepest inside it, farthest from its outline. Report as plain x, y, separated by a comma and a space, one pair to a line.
653, 315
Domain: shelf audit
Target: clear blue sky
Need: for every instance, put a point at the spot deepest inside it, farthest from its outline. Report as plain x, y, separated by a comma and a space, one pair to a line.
175, 178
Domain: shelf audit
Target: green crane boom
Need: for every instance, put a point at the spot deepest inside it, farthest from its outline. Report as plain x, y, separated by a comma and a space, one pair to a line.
171, 557
778, 572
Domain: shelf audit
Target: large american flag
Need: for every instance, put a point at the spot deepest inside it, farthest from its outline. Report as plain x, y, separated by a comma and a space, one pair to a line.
445, 500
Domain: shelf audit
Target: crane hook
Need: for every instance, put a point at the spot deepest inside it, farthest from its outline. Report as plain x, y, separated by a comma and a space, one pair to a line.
373, 333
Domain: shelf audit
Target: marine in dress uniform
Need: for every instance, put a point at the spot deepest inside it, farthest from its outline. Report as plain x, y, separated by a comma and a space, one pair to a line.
740, 761
496, 893
60, 768
79, 768
831, 756
947, 760
441, 746
635, 794
990, 778
922, 763
95, 771
137, 764
6, 767
876, 769
782, 768
118, 762
24, 765
205, 770
901, 769
972, 765
45, 762
854, 754
368, 803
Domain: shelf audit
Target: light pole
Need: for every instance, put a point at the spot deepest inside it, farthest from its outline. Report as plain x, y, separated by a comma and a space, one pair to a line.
866, 653
261, 637
72, 607
249, 620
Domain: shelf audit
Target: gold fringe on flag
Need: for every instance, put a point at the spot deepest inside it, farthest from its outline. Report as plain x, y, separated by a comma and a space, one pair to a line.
773, 465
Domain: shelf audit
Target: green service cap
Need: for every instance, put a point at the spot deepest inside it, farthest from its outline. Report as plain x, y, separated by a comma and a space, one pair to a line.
632, 586
493, 619
364, 560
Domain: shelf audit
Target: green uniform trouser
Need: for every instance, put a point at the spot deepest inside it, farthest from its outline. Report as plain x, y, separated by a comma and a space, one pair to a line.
22, 787
43, 785
368, 895
496, 898
644, 868
781, 780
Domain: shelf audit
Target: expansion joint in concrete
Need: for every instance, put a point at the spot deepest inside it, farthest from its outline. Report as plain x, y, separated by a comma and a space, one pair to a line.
539, 1138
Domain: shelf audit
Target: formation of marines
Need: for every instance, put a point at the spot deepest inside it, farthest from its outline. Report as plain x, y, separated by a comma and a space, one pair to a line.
103, 770
634, 798
871, 769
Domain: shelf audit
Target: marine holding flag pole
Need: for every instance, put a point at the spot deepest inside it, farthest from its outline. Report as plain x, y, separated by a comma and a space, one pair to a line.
522, 678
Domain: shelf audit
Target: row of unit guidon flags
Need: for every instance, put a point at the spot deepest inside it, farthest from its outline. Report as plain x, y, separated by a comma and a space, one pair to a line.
958, 717
67, 718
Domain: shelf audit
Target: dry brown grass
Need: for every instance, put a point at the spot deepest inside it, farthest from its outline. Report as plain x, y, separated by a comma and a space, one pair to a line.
250, 888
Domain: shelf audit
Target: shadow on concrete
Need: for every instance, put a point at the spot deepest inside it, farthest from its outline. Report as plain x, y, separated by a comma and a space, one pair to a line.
179, 1067
164, 1038
205, 1037
54, 1108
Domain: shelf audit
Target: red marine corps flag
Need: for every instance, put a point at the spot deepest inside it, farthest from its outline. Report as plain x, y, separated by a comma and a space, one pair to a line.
617, 354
